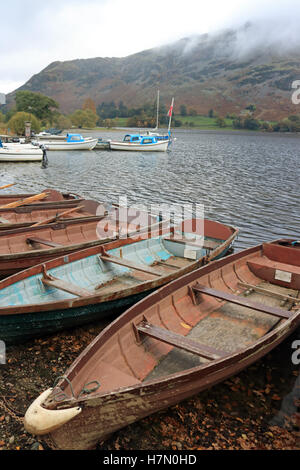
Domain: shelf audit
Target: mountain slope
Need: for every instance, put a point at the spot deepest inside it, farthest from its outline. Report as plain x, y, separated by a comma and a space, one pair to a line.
203, 72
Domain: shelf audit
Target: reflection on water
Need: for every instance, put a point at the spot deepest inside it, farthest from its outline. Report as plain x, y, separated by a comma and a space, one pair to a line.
250, 181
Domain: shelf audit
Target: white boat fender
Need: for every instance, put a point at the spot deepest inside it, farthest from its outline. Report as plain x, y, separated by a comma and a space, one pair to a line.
39, 420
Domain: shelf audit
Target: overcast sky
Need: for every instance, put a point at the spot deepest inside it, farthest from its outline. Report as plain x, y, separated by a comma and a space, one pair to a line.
35, 33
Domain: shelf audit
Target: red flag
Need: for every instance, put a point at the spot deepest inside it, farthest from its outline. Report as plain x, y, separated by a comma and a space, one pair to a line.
170, 111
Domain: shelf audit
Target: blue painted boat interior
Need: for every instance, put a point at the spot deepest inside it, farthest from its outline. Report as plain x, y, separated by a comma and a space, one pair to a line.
91, 271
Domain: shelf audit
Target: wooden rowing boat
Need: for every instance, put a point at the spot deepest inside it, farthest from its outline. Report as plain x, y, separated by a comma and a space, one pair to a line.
102, 281
21, 248
44, 213
53, 195
187, 336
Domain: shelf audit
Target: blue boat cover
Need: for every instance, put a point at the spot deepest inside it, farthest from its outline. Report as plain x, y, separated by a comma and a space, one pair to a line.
74, 138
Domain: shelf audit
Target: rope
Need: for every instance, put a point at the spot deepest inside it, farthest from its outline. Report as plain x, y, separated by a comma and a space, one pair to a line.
60, 395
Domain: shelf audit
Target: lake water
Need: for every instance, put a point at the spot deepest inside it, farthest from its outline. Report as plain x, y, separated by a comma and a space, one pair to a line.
247, 180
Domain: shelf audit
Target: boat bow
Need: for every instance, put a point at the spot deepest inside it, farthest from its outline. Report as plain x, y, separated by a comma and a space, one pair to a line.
39, 420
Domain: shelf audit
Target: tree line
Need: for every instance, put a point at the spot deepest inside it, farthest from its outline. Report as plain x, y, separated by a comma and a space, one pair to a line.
43, 112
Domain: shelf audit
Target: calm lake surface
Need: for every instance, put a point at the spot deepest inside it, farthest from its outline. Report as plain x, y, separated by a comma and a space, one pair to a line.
247, 180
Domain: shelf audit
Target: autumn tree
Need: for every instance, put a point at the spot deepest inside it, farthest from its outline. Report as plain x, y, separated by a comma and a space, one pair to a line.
62, 122
17, 123
89, 104
84, 118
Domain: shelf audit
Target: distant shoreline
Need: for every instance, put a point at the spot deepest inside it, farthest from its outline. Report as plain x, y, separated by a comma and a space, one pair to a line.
194, 129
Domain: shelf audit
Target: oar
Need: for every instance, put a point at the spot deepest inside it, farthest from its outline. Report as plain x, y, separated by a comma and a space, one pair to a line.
7, 186
57, 216
27, 200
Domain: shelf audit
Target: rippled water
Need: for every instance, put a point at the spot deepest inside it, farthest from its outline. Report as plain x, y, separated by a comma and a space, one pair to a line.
247, 180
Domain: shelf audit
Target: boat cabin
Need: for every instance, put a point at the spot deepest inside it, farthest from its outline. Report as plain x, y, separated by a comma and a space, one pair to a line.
74, 138
140, 139
132, 138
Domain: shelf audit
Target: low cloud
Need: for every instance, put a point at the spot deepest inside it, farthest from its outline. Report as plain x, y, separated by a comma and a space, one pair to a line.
39, 33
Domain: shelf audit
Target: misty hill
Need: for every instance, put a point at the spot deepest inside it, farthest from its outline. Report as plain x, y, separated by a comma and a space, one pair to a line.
225, 72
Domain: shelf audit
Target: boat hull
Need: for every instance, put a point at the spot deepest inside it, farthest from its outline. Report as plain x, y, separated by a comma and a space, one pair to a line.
24, 327
20, 154
160, 146
86, 145
53, 195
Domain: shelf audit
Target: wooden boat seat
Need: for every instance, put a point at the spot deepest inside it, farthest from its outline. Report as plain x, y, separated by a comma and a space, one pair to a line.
43, 241
52, 281
166, 265
179, 341
242, 301
276, 272
129, 264
268, 263
271, 293
207, 244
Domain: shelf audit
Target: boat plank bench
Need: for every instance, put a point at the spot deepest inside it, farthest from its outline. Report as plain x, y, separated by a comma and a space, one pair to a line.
271, 293
235, 299
129, 264
207, 244
179, 341
52, 281
43, 241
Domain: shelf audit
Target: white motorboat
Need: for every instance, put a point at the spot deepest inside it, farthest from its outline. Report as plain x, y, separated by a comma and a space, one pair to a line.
71, 142
15, 152
140, 143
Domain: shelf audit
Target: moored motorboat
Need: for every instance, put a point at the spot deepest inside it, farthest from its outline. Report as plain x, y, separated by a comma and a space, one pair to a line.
15, 152
52, 134
70, 142
140, 143
101, 281
189, 335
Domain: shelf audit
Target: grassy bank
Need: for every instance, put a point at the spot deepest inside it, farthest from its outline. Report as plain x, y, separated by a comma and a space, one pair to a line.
203, 122
187, 122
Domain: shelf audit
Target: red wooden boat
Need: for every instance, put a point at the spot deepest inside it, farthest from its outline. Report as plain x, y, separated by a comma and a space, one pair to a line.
53, 195
42, 214
187, 336
24, 247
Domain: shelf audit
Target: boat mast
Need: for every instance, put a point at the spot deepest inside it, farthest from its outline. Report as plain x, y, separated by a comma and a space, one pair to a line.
157, 111
170, 116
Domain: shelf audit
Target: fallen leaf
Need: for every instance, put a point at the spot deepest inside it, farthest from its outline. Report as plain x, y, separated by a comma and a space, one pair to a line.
275, 397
